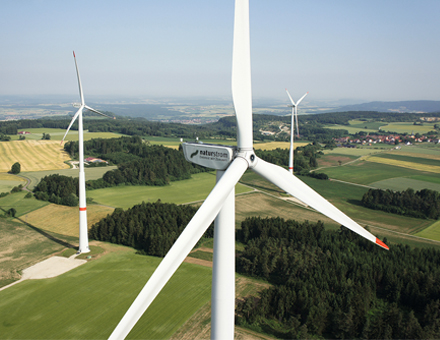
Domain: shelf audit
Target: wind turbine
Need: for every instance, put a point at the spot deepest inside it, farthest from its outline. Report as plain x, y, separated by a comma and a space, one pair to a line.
230, 163
83, 237
292, 127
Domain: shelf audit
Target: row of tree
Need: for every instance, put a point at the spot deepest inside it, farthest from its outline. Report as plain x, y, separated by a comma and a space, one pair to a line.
335, 284
152, 228
421, 204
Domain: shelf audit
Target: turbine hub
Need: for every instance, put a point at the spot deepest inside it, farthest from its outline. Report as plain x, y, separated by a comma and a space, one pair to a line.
249, 156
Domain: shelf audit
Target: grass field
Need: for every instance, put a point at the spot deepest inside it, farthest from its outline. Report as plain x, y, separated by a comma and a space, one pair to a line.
363, 172
21, 204
32, 155
67, 220
190, 190
405, 164
359, 151
88, 302
58, 134
400, 127
20, 248
432, 232
8, 181
400, 184
91, 173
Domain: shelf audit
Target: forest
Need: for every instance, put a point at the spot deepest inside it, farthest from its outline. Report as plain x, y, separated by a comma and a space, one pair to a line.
151, 228
58, 189
420, 204
336, 284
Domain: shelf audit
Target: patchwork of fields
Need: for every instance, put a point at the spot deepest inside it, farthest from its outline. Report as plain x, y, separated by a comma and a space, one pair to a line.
37, 308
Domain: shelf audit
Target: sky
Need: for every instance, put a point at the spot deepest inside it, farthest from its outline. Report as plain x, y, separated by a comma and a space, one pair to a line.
384, 50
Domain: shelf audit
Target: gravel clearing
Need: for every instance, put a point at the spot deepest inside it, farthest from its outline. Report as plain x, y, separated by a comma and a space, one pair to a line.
48, 268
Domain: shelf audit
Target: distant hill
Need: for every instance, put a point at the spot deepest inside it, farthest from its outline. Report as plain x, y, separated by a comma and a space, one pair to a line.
401, 106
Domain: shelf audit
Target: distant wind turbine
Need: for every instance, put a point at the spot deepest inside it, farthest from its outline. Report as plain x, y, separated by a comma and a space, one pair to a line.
292, 127
230, 163
83, 236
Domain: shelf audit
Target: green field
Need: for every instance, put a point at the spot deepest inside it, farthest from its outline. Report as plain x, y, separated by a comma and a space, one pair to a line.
21, 204
373, 126
432, 232
91, 173
88, 302
190, 190
58, 134
400, 184
364, 172
8, 181
21, 247
358, 151
410, 159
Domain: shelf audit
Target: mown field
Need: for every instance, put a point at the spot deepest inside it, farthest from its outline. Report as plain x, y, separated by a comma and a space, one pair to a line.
67, 218
179, 192
20, 204
88, 302
91, 173
22, 246
33, 155
8, 181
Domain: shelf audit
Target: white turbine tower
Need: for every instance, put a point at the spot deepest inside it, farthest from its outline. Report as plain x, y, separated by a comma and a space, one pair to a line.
231, 164
83, 237
292, 127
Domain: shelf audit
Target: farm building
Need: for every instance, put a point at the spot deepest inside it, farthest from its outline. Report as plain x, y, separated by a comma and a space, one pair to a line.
24, 133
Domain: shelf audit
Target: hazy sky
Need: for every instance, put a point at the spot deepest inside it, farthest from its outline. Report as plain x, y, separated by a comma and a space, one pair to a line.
368, 50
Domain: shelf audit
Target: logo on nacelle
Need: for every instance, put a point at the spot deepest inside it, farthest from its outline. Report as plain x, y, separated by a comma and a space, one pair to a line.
209, 155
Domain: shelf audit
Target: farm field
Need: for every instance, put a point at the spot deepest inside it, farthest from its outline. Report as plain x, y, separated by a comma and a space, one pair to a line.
399, 127
400, 184
190, 190
432, 232
58, 134
67, 220
91, 173
425, 165
275, 145
33, 155
359, 151
21, 247
21, 204
8, 181
363, 172
88, 302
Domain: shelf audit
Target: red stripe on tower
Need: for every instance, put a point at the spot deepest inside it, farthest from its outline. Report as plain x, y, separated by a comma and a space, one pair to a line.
82, 209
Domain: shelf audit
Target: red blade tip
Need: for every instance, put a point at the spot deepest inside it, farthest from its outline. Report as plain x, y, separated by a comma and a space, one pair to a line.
74, 54
383, 245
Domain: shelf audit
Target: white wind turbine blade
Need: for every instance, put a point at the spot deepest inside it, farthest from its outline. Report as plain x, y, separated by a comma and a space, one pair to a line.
72, 121
300, 100
241, 76
96, 111
79, 80
181, 248
290, 97
284, 180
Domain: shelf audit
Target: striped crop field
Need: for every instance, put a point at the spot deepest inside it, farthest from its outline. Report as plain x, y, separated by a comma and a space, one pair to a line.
432, 232
33, 155
67, 218
275, 145
409, 164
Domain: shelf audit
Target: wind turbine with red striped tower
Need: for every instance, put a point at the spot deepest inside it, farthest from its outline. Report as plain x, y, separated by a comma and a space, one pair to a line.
83, 233
294, 117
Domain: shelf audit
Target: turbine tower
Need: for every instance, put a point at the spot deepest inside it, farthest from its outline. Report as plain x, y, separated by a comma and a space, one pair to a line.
231, 163
292, 127
83, 236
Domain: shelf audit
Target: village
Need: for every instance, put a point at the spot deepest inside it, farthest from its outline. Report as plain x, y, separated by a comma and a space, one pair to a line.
393, 139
